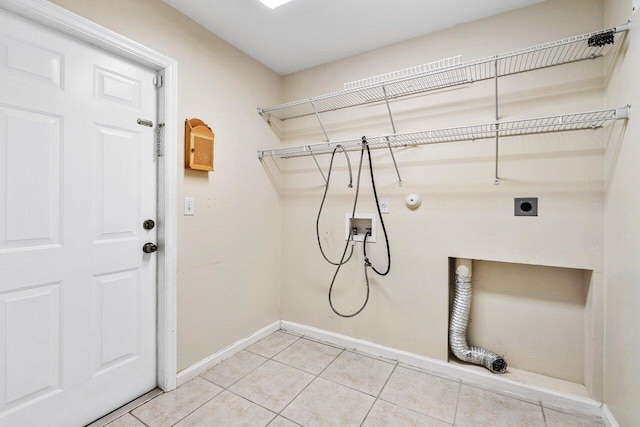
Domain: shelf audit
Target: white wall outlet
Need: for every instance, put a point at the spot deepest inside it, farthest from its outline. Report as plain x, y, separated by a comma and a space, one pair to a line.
189, 206
384, 205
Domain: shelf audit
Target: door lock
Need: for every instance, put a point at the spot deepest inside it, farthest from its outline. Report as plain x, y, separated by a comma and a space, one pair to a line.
149, 248
148, 224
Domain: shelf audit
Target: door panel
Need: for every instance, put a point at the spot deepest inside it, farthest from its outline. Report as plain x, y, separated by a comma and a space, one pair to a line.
77, 181
116, 184
116, 322
29, 368
30, 198
30, 63
116, 88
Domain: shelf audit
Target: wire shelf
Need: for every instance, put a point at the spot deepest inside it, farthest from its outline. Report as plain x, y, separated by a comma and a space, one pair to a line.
572, 49
559, 123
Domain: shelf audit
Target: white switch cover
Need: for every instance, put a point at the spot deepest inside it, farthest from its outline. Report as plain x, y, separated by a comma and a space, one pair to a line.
384, 205
189, 206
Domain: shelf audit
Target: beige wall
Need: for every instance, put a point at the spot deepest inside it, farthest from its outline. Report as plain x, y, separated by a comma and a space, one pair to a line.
622, 234
229, 252
538, 323
230, 261
463, 214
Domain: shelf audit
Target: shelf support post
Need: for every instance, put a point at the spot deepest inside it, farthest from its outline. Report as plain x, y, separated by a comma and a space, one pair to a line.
386, 99
393, 157
319, 121
496, 180
393, 127
317, 164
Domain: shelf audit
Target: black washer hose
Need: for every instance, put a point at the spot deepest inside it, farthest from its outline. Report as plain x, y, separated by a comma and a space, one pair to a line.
324, 196
367, 263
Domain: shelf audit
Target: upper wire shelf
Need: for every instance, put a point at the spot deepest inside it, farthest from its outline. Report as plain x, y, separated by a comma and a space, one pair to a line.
572, 49
558, 123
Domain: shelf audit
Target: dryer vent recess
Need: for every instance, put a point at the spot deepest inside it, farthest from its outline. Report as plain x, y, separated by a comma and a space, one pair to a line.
526, 206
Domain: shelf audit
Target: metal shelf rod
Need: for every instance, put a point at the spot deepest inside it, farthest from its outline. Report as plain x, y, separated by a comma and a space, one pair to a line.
548, 124
572, 49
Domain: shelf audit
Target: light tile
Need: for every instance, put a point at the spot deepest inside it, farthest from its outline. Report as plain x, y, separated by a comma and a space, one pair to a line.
127, 420
360, 372
228, 410
561, 419
273, 344
479, 408
283, 422
386, 414
171, 407
309, 356
231, 370
423, 393
325, 403
272, 385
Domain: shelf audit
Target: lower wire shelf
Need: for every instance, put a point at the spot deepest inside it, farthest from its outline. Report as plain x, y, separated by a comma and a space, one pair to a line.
549, 124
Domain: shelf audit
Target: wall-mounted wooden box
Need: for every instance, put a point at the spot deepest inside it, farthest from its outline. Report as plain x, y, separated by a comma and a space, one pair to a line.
198, 143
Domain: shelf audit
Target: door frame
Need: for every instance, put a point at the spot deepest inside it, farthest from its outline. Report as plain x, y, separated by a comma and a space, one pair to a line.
60, 19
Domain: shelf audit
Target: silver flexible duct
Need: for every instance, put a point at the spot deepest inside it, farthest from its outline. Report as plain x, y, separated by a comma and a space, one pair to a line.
459, 321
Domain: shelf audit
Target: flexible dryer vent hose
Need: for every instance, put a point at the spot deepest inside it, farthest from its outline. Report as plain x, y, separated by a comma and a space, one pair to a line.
459, 321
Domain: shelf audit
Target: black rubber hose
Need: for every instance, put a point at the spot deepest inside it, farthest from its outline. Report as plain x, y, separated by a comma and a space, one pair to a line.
324, 196
342, 261
384, 229
367, 263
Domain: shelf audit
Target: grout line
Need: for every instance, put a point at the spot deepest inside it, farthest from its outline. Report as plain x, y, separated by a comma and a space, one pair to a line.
310, 382
298, 337
330, 363
319, 341
370, 356
208, 400
296, 396
242, 377
502, 393
131, 413
255, 403
282, 416
455, 412
379, 393
126, 408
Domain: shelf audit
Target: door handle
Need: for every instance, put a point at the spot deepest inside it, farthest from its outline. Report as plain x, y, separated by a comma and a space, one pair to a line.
149, 248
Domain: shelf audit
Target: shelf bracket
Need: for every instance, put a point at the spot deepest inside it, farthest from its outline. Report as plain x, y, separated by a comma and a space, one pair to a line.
393, 157
315, 110
386, 99
317, 164
265, 116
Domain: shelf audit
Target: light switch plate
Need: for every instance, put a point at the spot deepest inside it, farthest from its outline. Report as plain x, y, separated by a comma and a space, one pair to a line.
189, 206
384, 205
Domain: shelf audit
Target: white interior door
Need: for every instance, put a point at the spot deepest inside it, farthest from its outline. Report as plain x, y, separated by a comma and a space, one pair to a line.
77, 181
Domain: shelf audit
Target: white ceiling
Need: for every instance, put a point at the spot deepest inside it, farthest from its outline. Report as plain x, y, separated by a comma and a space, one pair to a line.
306, 33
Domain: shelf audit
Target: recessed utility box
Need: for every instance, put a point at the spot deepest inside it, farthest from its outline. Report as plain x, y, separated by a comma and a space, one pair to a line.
361, 221
526, 206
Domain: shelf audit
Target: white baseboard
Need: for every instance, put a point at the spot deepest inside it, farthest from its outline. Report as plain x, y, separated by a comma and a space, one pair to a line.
547, 397
207, 363
607, 417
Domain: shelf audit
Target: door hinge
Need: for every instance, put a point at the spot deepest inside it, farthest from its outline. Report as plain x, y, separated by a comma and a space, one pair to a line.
159, 147
158, 81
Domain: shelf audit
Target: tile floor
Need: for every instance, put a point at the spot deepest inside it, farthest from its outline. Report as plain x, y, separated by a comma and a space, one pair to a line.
287, 380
